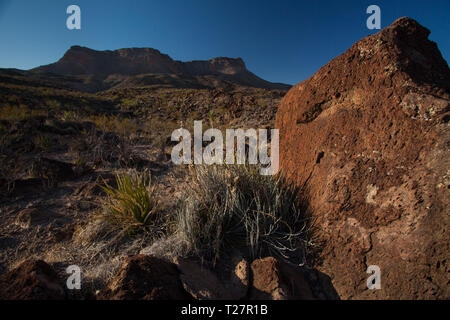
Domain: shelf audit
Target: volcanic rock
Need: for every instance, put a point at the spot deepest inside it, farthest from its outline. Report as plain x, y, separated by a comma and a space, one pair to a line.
366, 139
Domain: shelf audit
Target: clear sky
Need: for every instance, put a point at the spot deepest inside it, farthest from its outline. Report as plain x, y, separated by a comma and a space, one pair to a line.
280, 40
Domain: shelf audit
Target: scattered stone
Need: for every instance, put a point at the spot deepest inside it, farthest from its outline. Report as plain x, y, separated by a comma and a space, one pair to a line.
275, 280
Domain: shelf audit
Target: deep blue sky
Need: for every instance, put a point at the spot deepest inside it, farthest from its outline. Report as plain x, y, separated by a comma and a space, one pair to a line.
280, 40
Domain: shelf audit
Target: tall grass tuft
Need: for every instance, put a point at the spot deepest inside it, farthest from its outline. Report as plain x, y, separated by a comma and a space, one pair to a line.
227, 207
133, 202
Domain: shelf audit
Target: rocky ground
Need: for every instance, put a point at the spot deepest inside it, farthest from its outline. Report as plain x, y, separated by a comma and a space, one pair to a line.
55, 159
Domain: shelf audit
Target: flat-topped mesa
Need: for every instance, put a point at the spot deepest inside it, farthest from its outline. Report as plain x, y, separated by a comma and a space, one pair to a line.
81, 60
126, 65
366, 140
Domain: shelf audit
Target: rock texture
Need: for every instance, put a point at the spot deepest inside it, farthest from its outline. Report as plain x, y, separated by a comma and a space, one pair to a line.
276, 280
367, 140
143, 277
32, 280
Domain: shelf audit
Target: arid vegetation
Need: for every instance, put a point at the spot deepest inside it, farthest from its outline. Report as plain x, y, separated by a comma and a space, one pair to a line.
88, 178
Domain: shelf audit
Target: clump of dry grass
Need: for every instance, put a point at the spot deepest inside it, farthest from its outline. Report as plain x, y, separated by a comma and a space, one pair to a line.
226, 207
122, 126
99, 247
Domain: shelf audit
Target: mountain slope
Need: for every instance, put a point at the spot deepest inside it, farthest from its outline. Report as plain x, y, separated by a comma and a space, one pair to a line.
100, 70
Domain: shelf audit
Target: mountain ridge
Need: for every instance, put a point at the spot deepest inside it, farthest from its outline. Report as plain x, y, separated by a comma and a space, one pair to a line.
131, 63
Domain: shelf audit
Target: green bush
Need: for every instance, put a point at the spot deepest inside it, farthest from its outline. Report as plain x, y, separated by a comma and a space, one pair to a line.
227, 207
133, 202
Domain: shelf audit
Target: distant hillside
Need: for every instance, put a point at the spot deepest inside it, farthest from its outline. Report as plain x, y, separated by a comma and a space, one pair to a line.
92, 70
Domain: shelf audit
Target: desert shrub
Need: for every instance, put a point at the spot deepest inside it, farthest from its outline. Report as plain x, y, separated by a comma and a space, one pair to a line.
129, 104
261, 102
133, 202
227, 207
124, 127
69, 115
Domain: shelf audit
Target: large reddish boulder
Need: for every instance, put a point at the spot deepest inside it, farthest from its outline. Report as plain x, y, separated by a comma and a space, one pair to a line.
367, 140
32, 280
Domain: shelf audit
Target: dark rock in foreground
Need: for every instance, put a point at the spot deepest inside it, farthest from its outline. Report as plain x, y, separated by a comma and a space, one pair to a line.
143, 277
32, 280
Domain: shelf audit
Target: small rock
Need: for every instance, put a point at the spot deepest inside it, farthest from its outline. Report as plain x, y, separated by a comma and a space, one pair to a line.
276, 280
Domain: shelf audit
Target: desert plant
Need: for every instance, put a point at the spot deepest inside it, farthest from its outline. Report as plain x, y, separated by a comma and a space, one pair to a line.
212, 118
69, 115
133, 202
19, 112
227, 207
122, 126
129, 104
